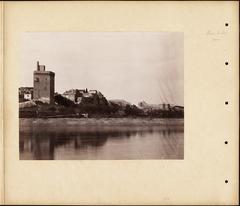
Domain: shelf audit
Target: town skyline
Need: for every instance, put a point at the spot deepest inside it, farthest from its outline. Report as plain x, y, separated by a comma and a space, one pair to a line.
129, 81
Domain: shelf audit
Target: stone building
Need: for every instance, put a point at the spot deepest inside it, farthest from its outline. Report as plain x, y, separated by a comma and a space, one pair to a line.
164, 106
72, 94
43, 84
84, 95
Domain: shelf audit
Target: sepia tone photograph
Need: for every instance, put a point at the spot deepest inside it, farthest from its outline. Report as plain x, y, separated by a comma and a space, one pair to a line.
101, 96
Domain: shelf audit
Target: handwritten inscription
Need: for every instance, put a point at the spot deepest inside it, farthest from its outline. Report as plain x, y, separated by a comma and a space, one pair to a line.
216, 35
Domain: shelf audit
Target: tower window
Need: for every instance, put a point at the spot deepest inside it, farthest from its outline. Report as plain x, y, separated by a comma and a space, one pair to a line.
36, 79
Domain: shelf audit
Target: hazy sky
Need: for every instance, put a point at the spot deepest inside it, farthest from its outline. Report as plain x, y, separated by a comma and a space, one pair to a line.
133, 66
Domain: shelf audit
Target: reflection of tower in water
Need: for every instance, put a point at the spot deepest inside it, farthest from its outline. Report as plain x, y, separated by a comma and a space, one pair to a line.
46, 143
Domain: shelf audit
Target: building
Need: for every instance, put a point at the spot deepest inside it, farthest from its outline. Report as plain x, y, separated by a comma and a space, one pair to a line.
165, 107
25, 93
178, 108
85, 96
43, 84
72, 94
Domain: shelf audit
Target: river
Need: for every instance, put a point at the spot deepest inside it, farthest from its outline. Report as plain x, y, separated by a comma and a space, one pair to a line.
101, 139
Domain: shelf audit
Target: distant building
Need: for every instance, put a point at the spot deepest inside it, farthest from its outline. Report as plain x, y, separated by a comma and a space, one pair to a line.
88, 96
71, 94
43, 84
163, 106
25, 93
178, 108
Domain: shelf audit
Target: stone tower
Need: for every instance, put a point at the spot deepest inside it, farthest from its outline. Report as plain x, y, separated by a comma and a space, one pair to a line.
43, 84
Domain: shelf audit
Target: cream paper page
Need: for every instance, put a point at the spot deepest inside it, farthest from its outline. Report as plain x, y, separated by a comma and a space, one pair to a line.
1, 107
208, 122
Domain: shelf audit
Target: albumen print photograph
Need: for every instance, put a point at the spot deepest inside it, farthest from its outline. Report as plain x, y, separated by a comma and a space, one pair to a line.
101, 96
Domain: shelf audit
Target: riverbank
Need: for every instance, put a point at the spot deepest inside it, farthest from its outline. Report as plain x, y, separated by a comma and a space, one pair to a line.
36, 109
65, 122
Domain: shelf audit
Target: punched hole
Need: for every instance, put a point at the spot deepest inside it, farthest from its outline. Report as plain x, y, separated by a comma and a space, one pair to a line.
226, 181
226, 63
226, 24
226, 142
226, 103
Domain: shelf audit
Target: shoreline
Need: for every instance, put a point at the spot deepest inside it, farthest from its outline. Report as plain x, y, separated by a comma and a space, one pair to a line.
68, 122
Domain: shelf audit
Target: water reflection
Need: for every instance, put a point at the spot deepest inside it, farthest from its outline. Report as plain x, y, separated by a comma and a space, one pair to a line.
101, 142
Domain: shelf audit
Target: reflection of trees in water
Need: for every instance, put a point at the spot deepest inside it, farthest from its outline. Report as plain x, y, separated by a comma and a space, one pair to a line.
41, 142
173, 146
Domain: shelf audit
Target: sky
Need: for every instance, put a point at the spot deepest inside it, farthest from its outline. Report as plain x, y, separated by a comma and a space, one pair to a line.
134, 66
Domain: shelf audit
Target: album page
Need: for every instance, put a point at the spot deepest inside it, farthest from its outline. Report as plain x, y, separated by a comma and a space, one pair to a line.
120, 102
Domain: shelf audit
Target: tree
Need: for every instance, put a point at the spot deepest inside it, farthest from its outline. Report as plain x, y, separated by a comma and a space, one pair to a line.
59, 99
133, 110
